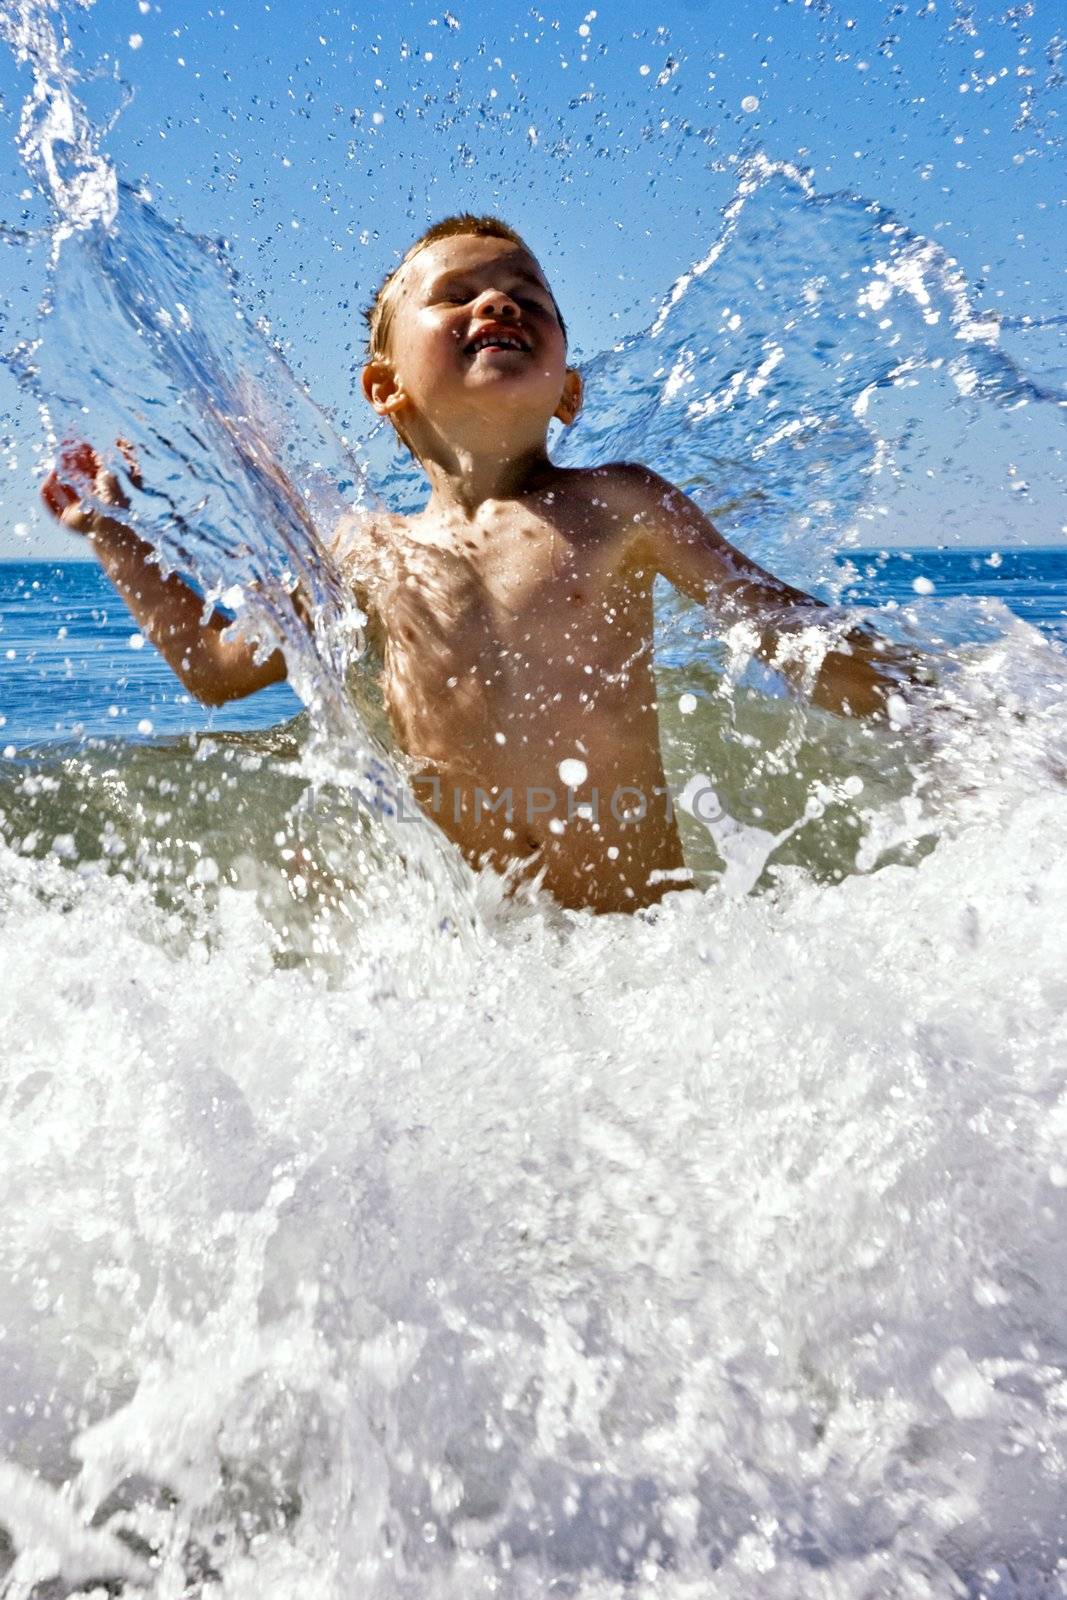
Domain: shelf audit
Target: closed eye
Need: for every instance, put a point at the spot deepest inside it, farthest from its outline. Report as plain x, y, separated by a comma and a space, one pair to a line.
462, 296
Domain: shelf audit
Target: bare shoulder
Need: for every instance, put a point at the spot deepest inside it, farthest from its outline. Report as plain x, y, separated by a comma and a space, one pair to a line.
636, 501
361, 540
629, 486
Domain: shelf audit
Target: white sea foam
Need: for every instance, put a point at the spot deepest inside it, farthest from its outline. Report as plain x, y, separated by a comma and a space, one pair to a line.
729, 1234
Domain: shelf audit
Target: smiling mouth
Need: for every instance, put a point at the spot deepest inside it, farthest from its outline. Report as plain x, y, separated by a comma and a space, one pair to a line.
497, 341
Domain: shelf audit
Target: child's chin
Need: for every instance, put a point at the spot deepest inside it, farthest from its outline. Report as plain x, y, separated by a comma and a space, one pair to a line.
498, 362
495, 371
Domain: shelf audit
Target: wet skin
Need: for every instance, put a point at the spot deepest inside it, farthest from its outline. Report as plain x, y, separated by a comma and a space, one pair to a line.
514, 613
512, 643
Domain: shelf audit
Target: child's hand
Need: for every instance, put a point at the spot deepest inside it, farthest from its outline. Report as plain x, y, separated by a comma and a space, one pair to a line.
81, 474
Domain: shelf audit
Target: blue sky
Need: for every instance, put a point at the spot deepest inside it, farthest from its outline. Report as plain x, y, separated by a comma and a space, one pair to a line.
320, 143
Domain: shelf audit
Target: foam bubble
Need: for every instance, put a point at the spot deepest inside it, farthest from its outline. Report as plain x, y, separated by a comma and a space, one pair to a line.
573, 772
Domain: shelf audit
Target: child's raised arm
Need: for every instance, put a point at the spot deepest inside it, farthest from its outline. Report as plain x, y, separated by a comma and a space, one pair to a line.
856, 675
169, 612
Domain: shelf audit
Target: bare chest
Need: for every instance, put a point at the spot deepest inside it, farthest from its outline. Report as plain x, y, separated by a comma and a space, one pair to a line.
523, 589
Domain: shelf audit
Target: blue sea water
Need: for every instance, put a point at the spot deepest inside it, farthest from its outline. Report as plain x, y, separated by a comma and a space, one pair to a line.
76, 667
1031, 581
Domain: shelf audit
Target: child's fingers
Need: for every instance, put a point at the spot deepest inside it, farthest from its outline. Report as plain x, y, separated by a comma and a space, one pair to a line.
81, 469
107, 489
56, 495
79, 474
129, 455
78, 463
65, 505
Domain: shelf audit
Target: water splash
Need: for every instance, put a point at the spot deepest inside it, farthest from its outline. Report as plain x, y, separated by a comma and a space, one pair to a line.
720, 1249
57, 141
797, 379
776, 1299
812, 380
144, 338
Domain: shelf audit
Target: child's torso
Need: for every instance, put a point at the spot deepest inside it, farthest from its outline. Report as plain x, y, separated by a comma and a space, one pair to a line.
515, 642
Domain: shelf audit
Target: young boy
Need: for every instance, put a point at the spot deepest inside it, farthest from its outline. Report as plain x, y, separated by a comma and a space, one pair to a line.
514, 612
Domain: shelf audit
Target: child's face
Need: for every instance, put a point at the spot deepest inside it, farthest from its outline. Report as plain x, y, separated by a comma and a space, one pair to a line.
475, 338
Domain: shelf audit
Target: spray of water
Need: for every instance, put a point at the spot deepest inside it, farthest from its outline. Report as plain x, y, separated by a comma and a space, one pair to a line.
245, 480
57, 142
718, 1250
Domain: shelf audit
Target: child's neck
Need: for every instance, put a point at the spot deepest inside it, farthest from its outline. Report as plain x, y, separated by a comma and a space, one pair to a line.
461, 481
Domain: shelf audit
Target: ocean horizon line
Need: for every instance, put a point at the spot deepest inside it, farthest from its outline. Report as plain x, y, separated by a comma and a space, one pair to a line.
1005, 548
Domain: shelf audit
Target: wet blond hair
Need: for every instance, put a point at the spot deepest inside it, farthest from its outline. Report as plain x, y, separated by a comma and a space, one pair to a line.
379, 314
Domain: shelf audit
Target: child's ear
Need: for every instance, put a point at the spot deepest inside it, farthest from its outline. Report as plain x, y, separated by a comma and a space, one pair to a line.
570, 401
382, 388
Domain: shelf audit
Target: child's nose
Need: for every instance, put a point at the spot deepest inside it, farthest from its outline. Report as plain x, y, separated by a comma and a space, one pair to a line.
495, 303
